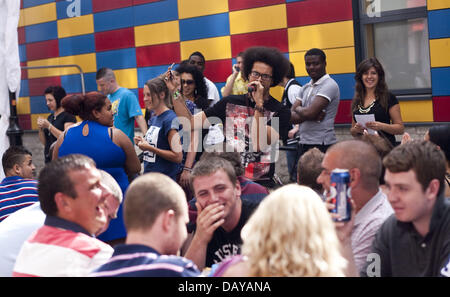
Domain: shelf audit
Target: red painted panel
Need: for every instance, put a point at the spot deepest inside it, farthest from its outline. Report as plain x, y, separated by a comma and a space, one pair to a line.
158, 54
218, 70
37, 86
21, 35
24, 74
115, 39
318, 11
42, 50
441, 109
102, 5
24, 121
344, 115
274, 38
245, 4
137, 2
141, 97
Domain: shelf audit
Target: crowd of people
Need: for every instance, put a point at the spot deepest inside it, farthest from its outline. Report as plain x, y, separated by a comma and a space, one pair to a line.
203, 197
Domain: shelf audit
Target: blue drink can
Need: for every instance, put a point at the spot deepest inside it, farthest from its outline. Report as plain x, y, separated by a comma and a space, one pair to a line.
340, 194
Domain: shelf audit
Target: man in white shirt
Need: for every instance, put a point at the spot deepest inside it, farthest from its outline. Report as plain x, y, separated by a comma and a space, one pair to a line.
198, 60
372, 206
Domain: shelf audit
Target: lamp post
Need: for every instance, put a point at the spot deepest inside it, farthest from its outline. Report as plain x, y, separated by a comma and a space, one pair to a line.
14, 132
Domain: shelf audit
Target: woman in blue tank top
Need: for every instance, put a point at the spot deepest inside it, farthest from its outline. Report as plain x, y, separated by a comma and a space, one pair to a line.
161, 145
109, 147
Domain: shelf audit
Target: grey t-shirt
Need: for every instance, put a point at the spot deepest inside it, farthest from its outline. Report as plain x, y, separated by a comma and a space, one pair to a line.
313, 132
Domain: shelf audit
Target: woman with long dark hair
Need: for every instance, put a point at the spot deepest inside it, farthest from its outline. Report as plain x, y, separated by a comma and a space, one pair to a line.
373, 97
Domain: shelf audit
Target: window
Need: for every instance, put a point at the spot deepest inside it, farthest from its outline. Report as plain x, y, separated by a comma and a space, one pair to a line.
396, 32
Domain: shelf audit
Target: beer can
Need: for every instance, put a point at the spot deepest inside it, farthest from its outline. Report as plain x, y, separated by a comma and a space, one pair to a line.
340, 193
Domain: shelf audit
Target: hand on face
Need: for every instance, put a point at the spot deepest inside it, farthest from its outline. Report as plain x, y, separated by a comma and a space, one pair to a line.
208, 220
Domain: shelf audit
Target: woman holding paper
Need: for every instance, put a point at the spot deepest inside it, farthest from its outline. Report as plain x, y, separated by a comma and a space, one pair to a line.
373, 99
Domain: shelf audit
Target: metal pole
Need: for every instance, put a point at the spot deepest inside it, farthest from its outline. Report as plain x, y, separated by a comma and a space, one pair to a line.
14, 132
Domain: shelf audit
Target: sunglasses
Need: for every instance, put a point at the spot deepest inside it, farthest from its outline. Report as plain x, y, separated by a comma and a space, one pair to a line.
188, 81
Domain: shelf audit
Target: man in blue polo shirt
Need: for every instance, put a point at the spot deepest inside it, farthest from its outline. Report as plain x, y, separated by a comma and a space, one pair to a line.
125, 105
18, 189
155, 215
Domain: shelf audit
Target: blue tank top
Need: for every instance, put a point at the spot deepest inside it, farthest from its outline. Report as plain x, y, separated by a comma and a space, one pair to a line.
107, 155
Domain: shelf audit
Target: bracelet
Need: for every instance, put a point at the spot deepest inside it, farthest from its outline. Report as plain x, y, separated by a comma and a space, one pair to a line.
187, 169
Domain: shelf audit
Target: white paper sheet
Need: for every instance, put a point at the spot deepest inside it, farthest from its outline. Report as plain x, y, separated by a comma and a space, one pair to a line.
363, 119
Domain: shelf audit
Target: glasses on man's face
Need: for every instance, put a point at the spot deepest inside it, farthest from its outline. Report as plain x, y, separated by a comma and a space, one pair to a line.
265, 77
187, 81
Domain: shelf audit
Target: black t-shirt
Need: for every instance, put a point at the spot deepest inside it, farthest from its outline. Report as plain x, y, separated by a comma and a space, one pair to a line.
58, 122
239, 109
224, 244
382, 115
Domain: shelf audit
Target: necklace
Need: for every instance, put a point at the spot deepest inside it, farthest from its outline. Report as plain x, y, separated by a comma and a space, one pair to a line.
367, 109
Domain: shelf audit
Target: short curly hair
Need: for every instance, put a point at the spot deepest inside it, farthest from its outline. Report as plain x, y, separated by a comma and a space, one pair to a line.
270, 56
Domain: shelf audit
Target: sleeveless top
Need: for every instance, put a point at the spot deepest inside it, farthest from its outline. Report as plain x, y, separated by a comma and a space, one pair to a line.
107, 155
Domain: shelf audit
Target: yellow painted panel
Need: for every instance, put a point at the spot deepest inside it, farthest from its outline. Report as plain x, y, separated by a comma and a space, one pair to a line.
127, 78
76, 26
23, 105
21, 19
87, 62
438, 4
277, 92
323, 36
339, 60
212, 48
34, 118
157, 33
439, 52
417, 111
258, 19
195, 8
39, 14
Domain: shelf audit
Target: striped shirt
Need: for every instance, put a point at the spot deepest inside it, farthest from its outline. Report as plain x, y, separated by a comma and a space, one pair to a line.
15, 193
134, 260
60, 248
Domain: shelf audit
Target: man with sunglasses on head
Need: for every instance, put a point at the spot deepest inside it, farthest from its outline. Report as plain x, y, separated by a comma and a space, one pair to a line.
254, 122
317, 106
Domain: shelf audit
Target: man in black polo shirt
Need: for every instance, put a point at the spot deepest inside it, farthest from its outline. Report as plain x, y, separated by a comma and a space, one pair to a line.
250, 120
415, 241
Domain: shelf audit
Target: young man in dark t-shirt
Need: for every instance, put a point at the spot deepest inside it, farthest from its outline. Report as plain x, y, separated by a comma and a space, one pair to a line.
221, 213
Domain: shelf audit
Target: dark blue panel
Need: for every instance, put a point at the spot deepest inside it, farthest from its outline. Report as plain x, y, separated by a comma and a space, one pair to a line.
41, 32
61, 8
219, 87
117, 59
439, 81
155, 12
76, 45
72, 83
38, 104
346, 83
113, 19
205, 27
22, 53
439, 23
146, 73
24, 90
31, 3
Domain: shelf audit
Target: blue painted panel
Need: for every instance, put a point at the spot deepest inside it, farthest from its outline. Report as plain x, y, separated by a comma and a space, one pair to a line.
346, 83
113, 19
24, 90
38, 104
155, 12
146, 73
439, 23
76, 45
31, 3
205, 27
117, 59
41, 32
72, 83
440, 78
62, 6
22, 53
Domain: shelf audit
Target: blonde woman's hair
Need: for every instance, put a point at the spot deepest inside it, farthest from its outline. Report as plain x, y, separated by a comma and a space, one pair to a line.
291, 234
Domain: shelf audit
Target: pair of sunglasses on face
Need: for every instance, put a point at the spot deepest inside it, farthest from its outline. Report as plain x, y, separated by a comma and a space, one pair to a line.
187, 81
